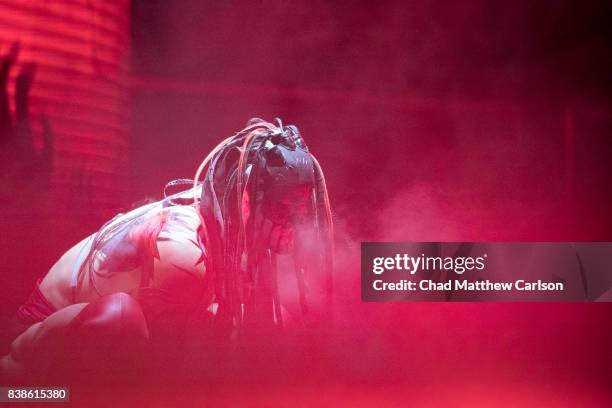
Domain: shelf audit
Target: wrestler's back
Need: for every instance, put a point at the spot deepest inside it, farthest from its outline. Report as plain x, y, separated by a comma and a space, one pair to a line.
166, 237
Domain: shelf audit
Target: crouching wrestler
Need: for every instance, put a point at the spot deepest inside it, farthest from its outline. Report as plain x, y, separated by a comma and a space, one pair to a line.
246, 249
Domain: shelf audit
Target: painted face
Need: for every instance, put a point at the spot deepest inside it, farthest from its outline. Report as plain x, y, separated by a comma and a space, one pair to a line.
283, 210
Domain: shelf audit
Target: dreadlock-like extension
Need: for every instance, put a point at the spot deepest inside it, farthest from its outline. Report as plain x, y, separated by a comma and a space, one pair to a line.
231, 171
322, 199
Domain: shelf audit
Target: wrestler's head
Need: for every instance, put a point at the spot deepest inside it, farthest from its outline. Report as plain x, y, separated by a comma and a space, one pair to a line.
260, 190
286, 193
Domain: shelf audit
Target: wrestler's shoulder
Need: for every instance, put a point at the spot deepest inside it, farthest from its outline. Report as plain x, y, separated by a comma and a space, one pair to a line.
178, 242
179, 221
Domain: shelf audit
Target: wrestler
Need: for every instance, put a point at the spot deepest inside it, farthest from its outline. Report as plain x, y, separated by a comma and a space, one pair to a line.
207, 254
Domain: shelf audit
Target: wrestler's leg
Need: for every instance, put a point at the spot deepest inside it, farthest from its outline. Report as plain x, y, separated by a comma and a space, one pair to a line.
78, 335
28, 349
